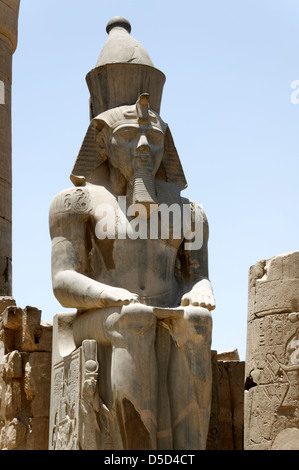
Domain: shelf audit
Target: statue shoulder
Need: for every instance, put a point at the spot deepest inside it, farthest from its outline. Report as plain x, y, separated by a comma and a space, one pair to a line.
197, 210
72, 200
69, 204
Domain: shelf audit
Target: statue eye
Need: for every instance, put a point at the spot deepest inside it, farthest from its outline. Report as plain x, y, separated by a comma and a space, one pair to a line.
155, 137
127, 134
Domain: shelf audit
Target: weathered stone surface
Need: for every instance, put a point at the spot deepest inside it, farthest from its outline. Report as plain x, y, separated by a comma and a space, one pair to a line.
214, 434
288, 439
140, 293
271, 397
12, 435
37, 367
232, 355
78, 420
38, 433
25, 372
231, 403
13, 365
23, 330
6, 301
9, 13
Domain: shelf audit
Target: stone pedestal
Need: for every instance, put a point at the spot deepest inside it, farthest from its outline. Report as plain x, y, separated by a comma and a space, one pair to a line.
272, 357
9, 10
78, 418
82, 371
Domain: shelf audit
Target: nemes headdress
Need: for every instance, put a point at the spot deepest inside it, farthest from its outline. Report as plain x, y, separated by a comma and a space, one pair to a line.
123, 85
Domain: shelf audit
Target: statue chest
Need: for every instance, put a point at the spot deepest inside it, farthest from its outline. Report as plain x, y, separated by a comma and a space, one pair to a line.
119, 247
111, 221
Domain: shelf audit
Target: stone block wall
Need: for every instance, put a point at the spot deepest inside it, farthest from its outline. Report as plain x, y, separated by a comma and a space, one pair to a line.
25, 374
227, 411
231, 403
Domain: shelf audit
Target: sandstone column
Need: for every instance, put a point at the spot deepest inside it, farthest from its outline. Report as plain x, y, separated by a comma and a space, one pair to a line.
272, 358
9, 10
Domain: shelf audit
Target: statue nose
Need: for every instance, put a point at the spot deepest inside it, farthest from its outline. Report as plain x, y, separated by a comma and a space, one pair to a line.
143, 145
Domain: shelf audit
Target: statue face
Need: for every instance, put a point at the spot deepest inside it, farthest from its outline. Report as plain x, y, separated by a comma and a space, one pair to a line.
136, 148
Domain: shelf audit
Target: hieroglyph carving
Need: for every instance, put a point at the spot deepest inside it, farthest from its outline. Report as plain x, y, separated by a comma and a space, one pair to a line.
67, 399
272, 358
81, 422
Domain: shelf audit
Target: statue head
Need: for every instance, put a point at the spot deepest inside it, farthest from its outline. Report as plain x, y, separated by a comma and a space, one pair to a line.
136, 146
126, 133
131, 139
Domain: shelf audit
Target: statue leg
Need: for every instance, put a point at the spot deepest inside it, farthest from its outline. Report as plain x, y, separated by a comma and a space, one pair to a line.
190, 378
130, 332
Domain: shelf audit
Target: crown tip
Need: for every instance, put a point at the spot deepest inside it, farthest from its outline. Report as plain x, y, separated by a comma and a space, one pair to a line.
118, 21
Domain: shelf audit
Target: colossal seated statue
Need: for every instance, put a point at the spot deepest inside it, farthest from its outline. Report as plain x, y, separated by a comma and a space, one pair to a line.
129, 253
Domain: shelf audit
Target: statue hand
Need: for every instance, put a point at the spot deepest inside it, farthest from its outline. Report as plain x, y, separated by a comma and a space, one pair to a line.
200, 296
117, 296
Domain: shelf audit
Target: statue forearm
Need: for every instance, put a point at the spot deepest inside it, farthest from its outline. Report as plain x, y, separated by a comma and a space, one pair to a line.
75, 290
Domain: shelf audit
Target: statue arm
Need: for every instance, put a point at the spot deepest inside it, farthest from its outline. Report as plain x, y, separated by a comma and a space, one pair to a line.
193, 261
71, 283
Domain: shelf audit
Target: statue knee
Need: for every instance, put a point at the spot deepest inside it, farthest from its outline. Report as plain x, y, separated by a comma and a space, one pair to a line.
200, 321
134, 320
195, 328
200, 318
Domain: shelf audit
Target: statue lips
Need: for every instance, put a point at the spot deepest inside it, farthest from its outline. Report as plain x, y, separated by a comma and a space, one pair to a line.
143, 162
143, 158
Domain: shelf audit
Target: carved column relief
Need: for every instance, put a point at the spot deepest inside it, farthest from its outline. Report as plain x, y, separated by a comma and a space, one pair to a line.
272, 357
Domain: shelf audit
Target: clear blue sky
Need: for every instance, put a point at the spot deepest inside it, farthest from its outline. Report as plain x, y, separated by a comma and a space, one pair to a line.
229, 66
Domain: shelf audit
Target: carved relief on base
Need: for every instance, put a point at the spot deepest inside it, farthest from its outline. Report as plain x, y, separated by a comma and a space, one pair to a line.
89, 412
79, 421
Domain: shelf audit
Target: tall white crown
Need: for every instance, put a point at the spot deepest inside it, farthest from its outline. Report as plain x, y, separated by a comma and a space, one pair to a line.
123, 72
